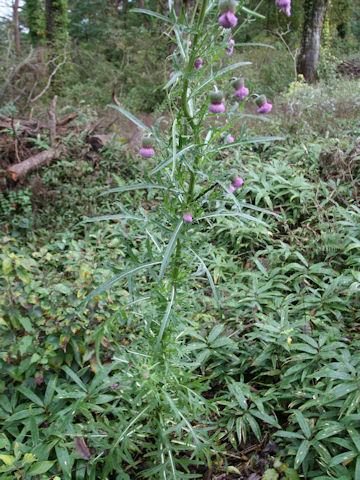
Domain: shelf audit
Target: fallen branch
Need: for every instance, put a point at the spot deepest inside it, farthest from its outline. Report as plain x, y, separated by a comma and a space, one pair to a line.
53, 73
21, 169
52, 116
69, 118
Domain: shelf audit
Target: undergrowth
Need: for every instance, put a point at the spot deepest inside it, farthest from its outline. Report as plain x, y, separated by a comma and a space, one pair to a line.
243, 359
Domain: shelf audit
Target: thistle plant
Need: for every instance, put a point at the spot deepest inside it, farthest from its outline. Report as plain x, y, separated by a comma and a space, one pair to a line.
166, 417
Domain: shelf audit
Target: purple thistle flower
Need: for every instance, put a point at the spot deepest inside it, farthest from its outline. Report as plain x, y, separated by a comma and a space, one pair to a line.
216, 105
147, 150
230, 48
228, 19
241, 92
265, 108
217, 108
284, 5
232, 188
263, 104
237, 182
230, 139
198, 63
187, 217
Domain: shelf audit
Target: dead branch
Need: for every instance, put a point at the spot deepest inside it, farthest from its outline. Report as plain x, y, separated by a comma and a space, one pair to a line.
52, 116
21, 169
69, 118
53, 73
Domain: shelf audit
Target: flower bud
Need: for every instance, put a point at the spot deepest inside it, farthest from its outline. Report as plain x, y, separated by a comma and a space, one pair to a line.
237, 181
198, 63
230, 139
187, 217
232, 188
230, 47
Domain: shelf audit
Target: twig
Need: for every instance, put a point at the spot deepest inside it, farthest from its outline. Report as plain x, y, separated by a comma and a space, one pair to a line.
53, 73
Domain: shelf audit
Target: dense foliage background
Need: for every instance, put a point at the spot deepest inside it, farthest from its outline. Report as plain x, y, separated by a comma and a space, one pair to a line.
256, 374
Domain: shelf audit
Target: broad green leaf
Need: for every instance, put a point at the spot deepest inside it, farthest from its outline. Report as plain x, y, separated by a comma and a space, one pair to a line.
6, 265
30, 395
64, 461
50, 389
329, 431
302, 452
355, 437
75, 377
40, 467
7, 459
343, 457
291, 474
253, 425
303, 424
131, 117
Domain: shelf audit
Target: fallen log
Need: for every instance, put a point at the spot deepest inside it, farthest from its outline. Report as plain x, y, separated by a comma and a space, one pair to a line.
21, 169
69, 118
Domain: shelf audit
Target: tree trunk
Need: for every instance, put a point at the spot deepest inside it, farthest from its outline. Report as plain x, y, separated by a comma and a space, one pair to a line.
315, 12
16, 27
56, 19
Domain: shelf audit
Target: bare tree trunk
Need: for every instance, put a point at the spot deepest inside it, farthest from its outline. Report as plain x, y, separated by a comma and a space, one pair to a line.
16, 27
315, 12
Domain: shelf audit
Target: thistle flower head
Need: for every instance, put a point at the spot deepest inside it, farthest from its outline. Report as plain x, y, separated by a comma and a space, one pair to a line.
263, 104
147, 149
216, 102
237, 181
230, 47
227, 18
241, 92
284, 5
187, 217
198, 63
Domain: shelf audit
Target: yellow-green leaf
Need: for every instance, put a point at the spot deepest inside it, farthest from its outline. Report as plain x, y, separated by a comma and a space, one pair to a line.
7, 459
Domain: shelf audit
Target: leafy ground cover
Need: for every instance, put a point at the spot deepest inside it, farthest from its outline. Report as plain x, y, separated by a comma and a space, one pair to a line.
258, 377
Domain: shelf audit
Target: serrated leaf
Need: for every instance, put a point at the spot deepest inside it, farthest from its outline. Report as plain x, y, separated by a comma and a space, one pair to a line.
131, 117
169, 249
113, 281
